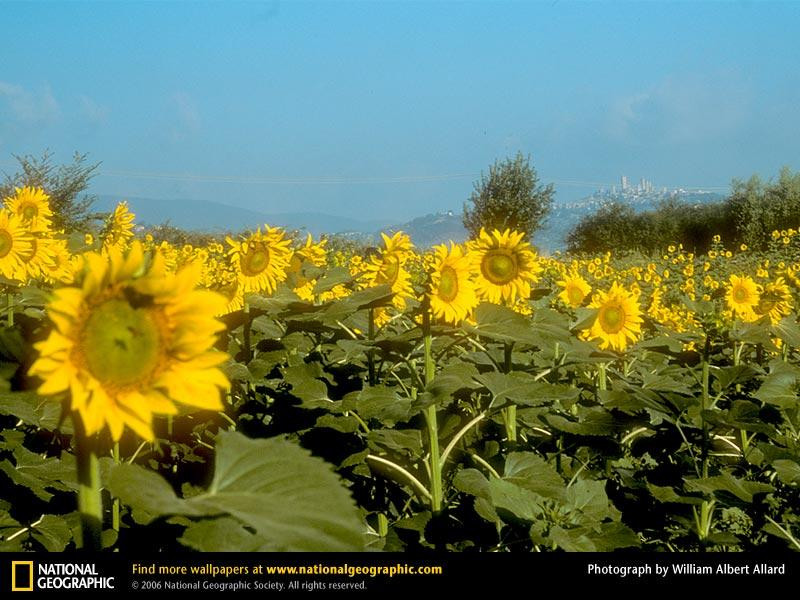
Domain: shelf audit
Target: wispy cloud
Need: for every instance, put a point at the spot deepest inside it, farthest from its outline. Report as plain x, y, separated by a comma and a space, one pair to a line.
91, 111
186, 116
27, 106
681, 109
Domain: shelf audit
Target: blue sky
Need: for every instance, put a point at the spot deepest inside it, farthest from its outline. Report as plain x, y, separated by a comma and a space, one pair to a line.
387, 110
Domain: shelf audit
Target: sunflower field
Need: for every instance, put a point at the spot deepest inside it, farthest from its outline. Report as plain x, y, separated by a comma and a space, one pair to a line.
267, 393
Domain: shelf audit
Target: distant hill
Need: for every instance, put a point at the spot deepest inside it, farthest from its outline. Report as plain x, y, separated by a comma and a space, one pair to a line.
203, 215
432, 229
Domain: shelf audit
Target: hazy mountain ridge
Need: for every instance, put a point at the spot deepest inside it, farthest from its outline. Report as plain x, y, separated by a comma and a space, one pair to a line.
425, 231
207, 216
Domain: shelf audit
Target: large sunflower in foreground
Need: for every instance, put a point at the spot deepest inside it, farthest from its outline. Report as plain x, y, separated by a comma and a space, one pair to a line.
132, 341
15, 246
618, 320
32, 206
775, 300
505, 266
261, 260
452, 289
742, 297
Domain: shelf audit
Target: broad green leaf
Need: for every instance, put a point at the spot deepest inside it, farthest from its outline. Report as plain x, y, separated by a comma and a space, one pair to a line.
522, 503
788, 330
591, 421
726, 482
223, 534
291, 499
53, 533
788, 471
383, 403
669, 495
305, 385
407, 441
332, 278
33, 409
532, 472
779, 387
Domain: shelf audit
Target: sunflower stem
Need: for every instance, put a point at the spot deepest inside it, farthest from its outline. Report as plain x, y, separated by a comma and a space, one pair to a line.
10, 305
90, 502
704, 406
115, 502
248, 353
371, 353
744, 441
435, 461
510, 412
602, 378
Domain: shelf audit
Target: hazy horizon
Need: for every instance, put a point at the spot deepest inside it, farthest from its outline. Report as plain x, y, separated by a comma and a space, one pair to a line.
387, 111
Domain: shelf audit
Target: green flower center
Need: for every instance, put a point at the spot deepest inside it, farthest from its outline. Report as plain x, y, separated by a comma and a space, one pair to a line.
499, 267
740, 294
29, 211
123, 345
6, 243
574, 294
255, 260
612, 318
448, 284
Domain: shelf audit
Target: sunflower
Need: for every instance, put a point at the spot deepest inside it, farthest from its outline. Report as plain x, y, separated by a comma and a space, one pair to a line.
32, 206
775, 300
59, 268
505, 266
618, 319
15, 246
42, 260
261, 260
452, 289
387, 267
575, 290
399, 243
130, 342
743, 297
119, 227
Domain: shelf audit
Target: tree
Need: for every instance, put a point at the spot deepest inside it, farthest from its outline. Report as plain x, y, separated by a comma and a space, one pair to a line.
64, 184
509, 197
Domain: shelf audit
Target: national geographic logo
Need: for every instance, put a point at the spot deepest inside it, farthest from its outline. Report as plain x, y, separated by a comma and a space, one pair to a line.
21, 575
27, 576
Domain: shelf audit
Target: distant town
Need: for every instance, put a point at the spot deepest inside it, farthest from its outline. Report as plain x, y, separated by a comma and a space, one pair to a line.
642, 193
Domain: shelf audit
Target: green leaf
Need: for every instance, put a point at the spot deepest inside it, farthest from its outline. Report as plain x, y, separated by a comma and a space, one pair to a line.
591, 421
788, 471
291, 499
788, 330
33, 409
223, 534
589, 498
779, 386
332, 278
503, 324
668, 495
305, 385
53, 533
736, 374
726, 482
522, 388
40, 474
406, 441
532, 472
522, 503
384, 404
